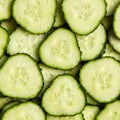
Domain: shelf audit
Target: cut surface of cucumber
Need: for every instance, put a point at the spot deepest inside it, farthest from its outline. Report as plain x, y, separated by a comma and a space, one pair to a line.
5, 9
60, 50
83, 16
36, 16
101, 79
110, 112
91, 45
63, 97
22, 41
90, 112
24, 111
16, 79
116, 23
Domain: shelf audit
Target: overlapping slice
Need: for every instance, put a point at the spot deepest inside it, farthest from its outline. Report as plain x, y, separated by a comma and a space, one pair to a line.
63, 97
24, 111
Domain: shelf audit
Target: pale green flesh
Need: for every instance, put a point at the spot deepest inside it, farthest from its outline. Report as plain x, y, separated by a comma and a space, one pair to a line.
63, 97
83, 16
24, 111
17, 81
5, 9
92, 44
24, 42
116, 23
90, 112
36, 16
49, 74
110, 112
75, 117
100, 78
60, 50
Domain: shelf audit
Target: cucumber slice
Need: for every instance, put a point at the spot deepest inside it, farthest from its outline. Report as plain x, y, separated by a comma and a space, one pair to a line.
101, 79
111, 6
110, 112
116, 23
60, 50
75, 117
63, 97
109, 51
24, 111
22, 41
83, 16
36, 16
90, 112
3, 41
49, 74
16, 79
92, 45
5, 9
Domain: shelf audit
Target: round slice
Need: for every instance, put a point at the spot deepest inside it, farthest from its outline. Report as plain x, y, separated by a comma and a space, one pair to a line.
116, 22
36, 16
24, 111
92, 45
16, 79
101, 79
83, 16
60, 50
63, 97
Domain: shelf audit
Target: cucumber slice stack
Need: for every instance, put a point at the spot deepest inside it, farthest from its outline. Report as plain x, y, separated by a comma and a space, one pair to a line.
59, 60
